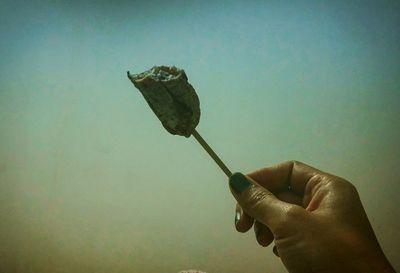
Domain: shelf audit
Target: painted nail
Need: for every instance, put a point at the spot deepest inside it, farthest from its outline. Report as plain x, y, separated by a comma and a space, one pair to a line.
258, 233
237, 217
275, 250
239, 182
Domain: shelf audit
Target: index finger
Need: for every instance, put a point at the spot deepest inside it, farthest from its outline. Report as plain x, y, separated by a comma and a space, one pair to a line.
291, 175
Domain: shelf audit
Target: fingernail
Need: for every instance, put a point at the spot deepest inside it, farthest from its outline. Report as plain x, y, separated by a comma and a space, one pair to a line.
239, 182
237, 217
275, 250
258, 232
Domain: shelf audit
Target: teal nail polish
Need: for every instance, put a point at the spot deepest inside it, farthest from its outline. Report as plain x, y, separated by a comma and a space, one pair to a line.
275, 250
239, 182
258, 232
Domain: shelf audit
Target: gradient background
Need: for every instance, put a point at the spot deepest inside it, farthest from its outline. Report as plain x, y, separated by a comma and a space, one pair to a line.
91, 182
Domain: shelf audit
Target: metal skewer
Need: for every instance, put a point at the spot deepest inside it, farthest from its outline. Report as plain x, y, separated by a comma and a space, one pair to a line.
213, 155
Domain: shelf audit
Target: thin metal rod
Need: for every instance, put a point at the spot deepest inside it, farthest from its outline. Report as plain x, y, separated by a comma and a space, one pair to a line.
213, 155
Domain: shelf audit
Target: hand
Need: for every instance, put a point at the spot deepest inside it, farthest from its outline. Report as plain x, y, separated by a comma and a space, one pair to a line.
316, 219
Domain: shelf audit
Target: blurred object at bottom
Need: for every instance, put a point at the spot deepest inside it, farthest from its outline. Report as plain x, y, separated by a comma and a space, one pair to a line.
191, 271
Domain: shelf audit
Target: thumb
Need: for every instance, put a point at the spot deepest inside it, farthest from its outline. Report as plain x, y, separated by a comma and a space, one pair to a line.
257, 201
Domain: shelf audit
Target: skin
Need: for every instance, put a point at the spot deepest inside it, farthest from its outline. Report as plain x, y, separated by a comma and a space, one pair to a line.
315, 219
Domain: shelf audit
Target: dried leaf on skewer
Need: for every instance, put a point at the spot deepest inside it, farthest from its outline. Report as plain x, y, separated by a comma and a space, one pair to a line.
175, 102
171, 97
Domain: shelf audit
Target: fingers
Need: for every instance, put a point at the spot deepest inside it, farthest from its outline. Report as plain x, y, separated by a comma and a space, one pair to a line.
290, 197
243, 221
291, 175
263, 234
257, 201
275, 250
275, 178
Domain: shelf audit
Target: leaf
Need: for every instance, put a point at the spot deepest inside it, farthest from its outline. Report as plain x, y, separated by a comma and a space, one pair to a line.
171, 97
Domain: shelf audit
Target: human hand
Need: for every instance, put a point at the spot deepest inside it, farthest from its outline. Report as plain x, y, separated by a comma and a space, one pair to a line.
316, 219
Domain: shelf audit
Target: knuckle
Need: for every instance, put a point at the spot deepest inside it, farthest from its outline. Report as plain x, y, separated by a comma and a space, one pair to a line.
343, 184
350, 188
294, 212
294, 162
315, 179
256, 199
290, 163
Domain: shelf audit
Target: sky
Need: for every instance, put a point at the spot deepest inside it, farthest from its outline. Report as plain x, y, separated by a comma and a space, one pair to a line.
91, 182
